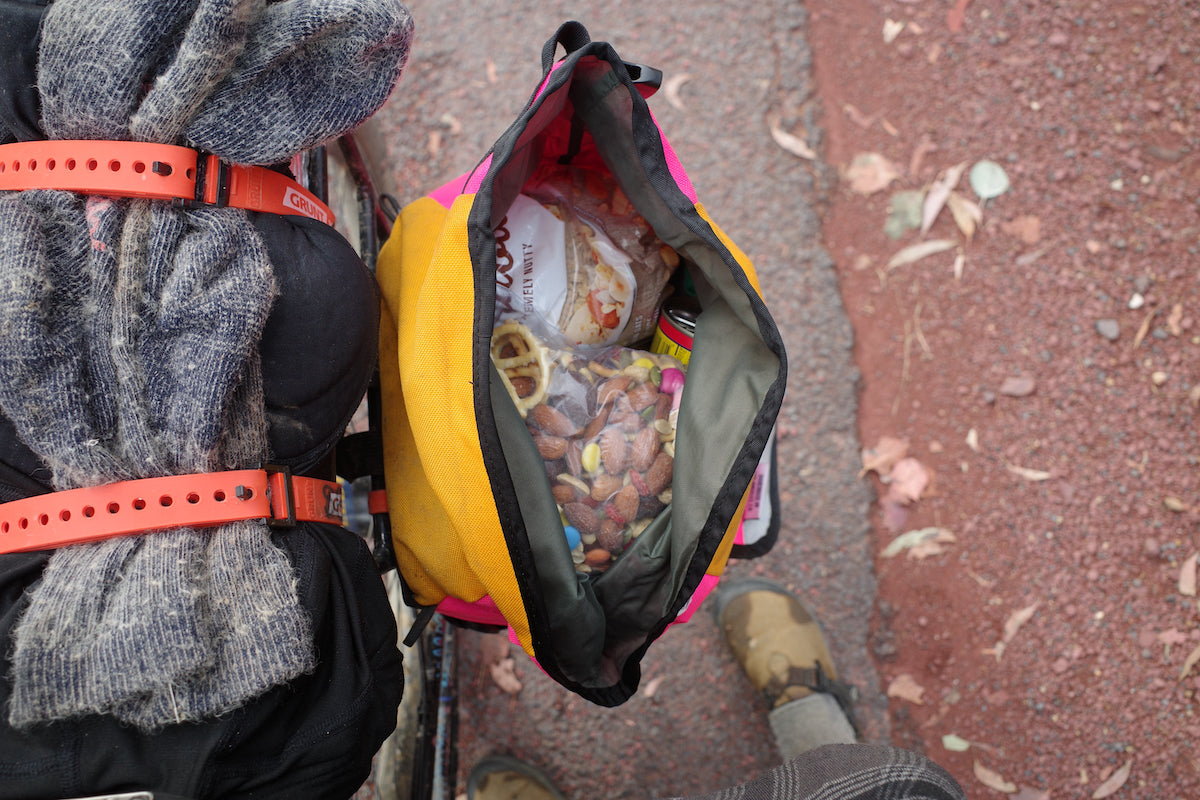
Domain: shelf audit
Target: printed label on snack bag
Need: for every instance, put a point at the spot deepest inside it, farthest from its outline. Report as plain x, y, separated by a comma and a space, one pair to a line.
529, 254
562, 278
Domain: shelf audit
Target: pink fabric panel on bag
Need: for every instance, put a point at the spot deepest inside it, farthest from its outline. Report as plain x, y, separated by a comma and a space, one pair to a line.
707, 584
483, 611
463, 184
681, 179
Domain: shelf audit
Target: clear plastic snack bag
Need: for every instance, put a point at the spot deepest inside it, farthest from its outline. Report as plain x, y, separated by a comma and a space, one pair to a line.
577, 264
604, 423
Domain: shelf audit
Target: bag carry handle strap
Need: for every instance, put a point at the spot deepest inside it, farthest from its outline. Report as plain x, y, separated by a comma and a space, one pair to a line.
185, 176
571, 35
201, 500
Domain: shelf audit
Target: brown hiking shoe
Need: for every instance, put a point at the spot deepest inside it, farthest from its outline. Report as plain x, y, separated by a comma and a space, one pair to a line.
778, 643
506, 778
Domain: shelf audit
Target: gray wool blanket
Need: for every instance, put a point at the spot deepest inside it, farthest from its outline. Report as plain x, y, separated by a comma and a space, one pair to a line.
129, 335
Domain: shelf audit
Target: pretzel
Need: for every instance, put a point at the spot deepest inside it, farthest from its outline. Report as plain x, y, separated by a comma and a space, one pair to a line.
523, 363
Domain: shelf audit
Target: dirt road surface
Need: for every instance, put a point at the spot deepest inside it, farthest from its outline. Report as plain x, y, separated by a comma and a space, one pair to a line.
1036, 368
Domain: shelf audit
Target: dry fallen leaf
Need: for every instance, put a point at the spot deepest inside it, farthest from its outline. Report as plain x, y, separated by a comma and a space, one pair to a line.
1017, 386
505, 676
960, 261
918, 251
1174, 319
926, 549
1110, 786
973, 439
1031, 257
793, 144
904, 213
912, 539
938, 194
1172, 503
1011, 626
869, 173
883, 456
967, 214
993, 780
1187, 576
1189, 662
907, 480
651, 687
858, 117
955, 743
1017, 619
1143, 329
923, 148
1027, 228
988, 179
891, 29
1028, 474
906, 688
671, 87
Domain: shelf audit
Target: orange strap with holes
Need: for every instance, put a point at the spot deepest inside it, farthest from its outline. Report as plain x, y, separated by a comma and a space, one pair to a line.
203, 500
155, 171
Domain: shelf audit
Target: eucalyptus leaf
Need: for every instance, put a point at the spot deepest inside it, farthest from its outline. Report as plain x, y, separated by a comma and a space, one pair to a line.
916, 252
904, 213
955, 744
988, 179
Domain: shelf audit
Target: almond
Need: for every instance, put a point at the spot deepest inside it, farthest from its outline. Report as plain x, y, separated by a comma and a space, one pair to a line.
612, 388
644, 448
658, 477
605, 486
633, 424
551, 447
564, 494
642, 396
596, 424
626, 504
662, 406
583, 518
575, 457
597, 557
523, 385
553, 421
611, 536
614, 452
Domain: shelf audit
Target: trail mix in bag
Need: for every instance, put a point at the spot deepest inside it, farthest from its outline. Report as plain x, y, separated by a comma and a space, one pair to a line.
604, 422
577, 264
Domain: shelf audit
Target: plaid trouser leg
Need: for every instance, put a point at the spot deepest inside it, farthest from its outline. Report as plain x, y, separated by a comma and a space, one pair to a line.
849, 772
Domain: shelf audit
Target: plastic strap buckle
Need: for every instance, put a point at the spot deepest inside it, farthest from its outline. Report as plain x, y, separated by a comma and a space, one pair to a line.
279, 488
208, 192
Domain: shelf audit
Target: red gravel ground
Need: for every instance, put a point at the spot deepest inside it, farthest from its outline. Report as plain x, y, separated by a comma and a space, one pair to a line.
1092, 109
